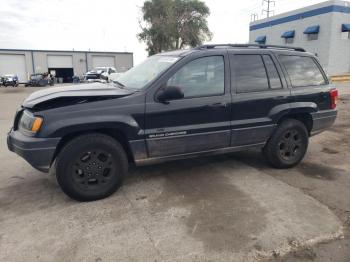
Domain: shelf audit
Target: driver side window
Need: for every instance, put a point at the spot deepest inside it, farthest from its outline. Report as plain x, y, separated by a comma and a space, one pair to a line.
201, 77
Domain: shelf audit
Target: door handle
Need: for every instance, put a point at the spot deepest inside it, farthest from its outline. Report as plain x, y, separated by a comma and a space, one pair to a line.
216, 105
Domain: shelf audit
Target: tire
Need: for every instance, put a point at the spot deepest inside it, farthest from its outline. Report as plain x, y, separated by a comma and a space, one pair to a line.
91, 167
288, 144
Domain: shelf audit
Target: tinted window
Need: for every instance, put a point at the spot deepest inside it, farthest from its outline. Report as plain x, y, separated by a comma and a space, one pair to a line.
201, 77
303, 71
274, 77
250, 73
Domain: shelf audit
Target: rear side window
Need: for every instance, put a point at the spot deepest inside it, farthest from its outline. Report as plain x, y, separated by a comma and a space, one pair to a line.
303, 71
250, 73
274, 77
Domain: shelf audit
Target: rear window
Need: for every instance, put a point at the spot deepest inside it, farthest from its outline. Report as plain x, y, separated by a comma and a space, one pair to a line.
302, 70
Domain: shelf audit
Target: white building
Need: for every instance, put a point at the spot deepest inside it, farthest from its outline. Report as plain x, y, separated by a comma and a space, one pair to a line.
323, 29
65, 64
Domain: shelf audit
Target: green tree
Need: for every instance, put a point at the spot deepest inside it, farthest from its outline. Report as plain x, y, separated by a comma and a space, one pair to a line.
173, 24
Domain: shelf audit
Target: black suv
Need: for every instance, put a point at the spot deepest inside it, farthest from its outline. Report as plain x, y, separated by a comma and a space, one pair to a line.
208, 100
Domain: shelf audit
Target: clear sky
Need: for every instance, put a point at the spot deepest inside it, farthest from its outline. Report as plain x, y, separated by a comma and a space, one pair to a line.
112, 25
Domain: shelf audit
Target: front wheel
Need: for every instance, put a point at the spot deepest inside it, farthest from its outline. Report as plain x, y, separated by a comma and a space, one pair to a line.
91, 167
288, 145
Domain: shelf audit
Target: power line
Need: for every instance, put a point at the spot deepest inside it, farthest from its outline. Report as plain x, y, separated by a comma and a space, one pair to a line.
268, 9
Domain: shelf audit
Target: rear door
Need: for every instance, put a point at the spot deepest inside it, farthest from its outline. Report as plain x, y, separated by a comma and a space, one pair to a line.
259, 88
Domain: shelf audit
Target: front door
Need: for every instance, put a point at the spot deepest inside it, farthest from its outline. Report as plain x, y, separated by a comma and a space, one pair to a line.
201, 120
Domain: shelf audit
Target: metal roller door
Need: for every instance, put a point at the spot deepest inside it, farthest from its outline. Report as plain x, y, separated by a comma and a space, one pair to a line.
103, 61
59, 61
13, 64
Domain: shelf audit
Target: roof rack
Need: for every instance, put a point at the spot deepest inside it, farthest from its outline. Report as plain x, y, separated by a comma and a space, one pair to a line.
251, 46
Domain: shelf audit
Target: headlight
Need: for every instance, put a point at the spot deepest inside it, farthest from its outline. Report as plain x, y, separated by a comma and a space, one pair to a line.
29, 122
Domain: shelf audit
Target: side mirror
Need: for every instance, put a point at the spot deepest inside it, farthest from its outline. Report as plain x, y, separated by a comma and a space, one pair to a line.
170, 93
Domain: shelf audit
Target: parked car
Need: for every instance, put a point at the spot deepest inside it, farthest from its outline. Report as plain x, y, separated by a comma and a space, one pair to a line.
99, 73
10, 80
209, 100
40, 79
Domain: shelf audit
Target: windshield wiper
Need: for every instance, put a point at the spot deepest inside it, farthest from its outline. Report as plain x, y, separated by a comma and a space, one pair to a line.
119, 84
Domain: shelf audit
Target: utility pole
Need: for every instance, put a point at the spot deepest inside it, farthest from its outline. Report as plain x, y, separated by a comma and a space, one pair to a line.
268, 11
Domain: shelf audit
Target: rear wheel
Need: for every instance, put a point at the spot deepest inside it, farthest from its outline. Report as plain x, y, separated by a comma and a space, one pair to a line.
288, 145
91, 167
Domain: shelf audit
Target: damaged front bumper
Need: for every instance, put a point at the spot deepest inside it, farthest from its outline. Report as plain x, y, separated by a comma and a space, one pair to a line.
38, 152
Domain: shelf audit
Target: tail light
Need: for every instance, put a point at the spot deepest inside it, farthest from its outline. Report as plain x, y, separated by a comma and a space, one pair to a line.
334, 97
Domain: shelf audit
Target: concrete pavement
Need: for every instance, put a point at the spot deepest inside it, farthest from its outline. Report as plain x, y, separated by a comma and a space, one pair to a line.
224, 208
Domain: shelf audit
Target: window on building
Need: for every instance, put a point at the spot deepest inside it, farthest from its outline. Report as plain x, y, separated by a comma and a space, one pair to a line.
274, 77
289, 40
288, 36
261, 40
302, 70
345, 35
345, 28
201, 77
312, 32
250, 73
312, 37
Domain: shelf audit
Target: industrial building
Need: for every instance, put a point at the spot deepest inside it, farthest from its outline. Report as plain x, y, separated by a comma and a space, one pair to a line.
63, 64
323, 29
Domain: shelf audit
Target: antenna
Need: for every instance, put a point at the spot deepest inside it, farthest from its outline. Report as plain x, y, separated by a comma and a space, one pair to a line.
268, 11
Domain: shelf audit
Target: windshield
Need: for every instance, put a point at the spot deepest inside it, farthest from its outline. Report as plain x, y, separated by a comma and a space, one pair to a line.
33, 77
144, 73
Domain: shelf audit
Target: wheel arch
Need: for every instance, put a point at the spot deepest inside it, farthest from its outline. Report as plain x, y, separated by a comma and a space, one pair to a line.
301, 111
304, 117
115, 133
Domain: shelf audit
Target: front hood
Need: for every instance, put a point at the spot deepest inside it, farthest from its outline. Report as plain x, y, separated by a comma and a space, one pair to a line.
84, 91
